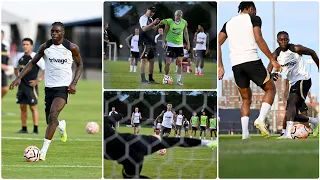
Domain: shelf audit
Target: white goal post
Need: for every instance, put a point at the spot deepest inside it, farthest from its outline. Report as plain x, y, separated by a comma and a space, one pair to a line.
112, 51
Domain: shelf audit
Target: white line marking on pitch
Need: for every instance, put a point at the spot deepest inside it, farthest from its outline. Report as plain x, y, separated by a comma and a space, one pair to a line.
41, 139
256, 151
52, 166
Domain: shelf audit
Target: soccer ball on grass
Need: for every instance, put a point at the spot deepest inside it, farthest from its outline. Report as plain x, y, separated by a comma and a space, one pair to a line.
32, 154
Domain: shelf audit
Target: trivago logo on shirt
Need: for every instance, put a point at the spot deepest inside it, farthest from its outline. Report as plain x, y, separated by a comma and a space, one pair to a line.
62, 61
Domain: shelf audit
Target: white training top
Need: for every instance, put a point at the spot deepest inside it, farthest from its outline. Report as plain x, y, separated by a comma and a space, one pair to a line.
179, 120
136, 117
158, 125
40, 63
201, 37
134, 43
58, 64
112, 112
185, 53
242, 44
167, 120
292, 65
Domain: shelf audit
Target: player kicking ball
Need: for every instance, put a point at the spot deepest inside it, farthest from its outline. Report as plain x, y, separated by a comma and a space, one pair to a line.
174, 32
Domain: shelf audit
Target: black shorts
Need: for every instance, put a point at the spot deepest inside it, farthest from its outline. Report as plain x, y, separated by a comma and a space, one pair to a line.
165, 130
186, 128
174, 52
301, 88
27, 95
201, 53
136, 124
134, 54
178, 127
147, 52
4, 80
253, 70
53, 92
202, 128
194, 128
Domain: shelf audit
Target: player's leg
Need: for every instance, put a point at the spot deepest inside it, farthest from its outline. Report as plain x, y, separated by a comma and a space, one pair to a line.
139, 128
134, 129
136, 59
200, 69
143, 63
179, 131
150, 58
215, 133
131, 61
4, 85
35, 117
176, 64
211, 130
179, 53
23, 116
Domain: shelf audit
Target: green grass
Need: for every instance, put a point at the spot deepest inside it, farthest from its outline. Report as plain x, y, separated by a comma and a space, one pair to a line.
117, 76
80, 157
268, 158
191, 163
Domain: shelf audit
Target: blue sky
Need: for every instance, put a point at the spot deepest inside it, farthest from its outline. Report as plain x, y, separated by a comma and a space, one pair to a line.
299, 19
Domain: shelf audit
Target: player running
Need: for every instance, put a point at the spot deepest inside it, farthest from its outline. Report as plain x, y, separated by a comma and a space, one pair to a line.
195, 123
179, 120
132, 156
28, 88
244, 33
290, 58
135, 121
167, 121
174, 32
59, 55
203, 124
201, 39
186, 125
134, 49
213, 126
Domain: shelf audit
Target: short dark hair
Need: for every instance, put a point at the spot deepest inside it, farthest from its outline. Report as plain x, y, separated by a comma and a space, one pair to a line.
282, 32
28, 39
201, 24
58, 24
245, 5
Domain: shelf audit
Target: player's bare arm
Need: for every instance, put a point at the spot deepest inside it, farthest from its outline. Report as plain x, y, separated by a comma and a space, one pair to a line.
286, 91
186, 36
36, 81
132, 116
78, 60
307, 51
128, 39
151, 25
221, 39
207, 51
264, 47
165, 31
29, 66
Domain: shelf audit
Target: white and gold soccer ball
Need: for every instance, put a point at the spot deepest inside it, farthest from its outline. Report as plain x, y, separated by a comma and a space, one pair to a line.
92, 128
167, 80
162, 152
299, 131
32, 154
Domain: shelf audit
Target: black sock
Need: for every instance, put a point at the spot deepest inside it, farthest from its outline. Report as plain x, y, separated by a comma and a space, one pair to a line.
150, 77
35, 129
24, 128
143, 78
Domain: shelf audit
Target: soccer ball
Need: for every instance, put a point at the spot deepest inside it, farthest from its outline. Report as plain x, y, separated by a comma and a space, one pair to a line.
92, 128
299, 131
32, 154
162, 152
167, 80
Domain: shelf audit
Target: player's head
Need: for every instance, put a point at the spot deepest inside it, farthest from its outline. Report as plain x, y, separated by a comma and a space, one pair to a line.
169, 107
247, 7
57, 31
113, 108
203, 113
178, 15
151, 11
160, 31
136, 31
27, 45
2, 35
180, 111
136, 109
200, 27
283, 39
212, 115
106, 26
194, 113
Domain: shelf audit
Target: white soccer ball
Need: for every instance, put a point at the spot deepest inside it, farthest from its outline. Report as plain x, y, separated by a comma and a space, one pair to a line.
167, 80
92, 128
299, 131
32, 154
162, 152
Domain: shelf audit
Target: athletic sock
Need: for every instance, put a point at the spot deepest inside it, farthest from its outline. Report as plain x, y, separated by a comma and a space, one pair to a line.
45, 146
176, 68
150, 77
283, 131
289, 127
265, 108
60, 125
35, 129
196, 70
143, 77
131, 68
179, 77
313, 121
188, 68
134, 68
24, 128
245, 124
200, 70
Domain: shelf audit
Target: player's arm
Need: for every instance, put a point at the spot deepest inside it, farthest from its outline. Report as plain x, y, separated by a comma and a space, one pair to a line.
186, 36
132, 116
207, 51
79, 67
286, 91
128, 39
16, 66
140, 116
29, 66
195, 38
165, 31
307, 51
222, 37
145, 27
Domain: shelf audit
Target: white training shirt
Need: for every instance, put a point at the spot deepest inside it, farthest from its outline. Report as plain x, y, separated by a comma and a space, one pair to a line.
112, 112
158, 125
242, 44
136, 117
201, 37
58, 64
134, 43
292, 65
179, 120
185, 53
40, 63
167, 120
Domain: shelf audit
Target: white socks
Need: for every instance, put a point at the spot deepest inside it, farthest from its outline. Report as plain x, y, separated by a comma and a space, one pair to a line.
289, 127
131, 68
264, 111
314, 121
196, 70
176, 68
134, 68
245, 124
45, 146
188, 68
60, 125
179, 77
283, 131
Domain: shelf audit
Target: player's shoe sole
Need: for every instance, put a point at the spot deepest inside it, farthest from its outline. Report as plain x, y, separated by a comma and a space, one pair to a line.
63, 132
212, 145
261, 126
